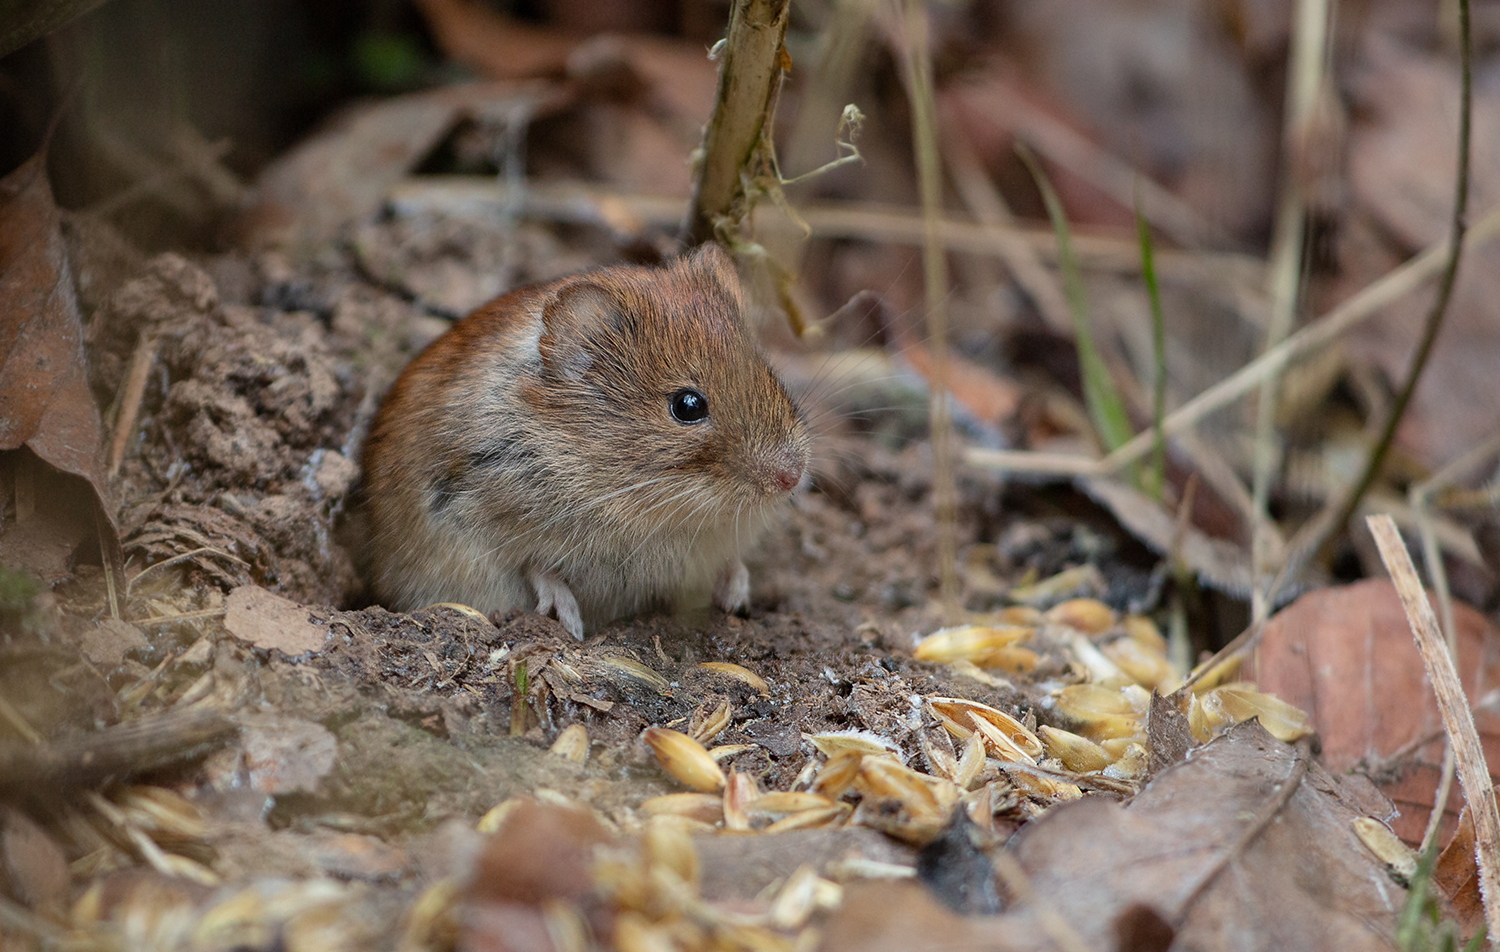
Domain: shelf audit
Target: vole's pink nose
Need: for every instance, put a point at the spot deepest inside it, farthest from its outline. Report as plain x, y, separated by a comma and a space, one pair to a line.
782, 470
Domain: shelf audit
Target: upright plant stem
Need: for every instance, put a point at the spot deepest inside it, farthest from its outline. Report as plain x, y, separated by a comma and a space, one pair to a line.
1157, 478
935, 277
750, 65
1457, 228
1305, 74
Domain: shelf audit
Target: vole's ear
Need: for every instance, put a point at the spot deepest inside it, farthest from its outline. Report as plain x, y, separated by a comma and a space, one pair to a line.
575, 317
711, 261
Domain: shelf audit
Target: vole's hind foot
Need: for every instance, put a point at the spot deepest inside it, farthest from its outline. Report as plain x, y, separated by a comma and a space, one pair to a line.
732, 591
553, 594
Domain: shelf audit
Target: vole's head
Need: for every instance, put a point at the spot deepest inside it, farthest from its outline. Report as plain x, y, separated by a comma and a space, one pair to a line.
657, 384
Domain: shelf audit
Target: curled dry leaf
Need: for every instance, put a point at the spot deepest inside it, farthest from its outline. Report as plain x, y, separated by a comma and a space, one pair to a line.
45, 402
684, 758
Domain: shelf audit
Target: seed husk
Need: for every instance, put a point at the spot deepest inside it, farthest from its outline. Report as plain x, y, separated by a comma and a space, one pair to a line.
684, 758
739, 673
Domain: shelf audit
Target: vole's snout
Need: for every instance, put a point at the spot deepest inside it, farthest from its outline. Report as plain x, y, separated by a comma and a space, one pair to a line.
780, 471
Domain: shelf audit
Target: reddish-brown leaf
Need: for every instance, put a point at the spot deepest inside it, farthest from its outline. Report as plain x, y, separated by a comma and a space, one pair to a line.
1346, 657
45, 403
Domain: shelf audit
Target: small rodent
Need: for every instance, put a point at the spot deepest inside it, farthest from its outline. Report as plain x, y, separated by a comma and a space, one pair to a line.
595, 446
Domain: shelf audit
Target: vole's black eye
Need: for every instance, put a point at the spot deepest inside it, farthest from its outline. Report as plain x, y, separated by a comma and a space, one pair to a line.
689, 406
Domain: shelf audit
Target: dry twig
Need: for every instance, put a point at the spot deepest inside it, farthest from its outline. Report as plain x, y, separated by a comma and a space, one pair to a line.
1458, 718
935, 278
750, 69
1307, 70
53, 768
1439, 310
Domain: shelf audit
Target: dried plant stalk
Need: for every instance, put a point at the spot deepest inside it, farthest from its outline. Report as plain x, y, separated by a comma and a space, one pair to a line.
935, 278
1458, 718
750, 66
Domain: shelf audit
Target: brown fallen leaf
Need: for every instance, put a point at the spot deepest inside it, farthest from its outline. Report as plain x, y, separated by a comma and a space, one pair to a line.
1168, 737
343, 172
269, 621
1245, 845
45, 402
899, 917
992, 399
1346, 656
1217, 562
1456, 875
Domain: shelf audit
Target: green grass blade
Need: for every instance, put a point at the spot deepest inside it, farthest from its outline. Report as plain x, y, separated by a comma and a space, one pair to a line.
1099, 392
1156, 476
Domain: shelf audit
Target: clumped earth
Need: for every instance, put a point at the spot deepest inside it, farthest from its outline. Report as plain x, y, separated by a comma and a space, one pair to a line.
244, 473
353, 755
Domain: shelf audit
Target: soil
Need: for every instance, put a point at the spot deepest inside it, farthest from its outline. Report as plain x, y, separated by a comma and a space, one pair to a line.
350, 758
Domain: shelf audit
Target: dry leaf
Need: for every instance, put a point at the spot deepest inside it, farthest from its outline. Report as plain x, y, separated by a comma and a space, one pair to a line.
1456, 875
344, 172
1303, 881
1346, 656
269, 621
1217, 562
45, 402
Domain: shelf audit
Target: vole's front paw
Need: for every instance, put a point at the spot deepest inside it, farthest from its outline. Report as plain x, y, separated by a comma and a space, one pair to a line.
552, 593
732, 591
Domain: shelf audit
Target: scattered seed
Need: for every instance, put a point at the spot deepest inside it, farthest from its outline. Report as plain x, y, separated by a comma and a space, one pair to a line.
684, 758
739, 673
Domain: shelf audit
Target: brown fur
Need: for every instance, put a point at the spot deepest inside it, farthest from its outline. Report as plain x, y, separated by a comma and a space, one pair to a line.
535, 437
